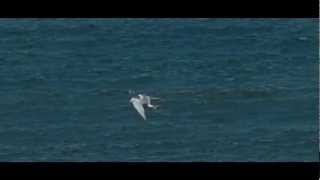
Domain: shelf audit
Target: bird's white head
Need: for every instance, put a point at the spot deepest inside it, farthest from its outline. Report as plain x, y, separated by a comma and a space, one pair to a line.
140, 96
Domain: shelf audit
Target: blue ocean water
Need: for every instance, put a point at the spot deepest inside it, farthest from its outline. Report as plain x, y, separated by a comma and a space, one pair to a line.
230, 89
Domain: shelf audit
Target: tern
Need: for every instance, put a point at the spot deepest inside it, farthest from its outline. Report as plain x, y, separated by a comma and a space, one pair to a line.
140, 101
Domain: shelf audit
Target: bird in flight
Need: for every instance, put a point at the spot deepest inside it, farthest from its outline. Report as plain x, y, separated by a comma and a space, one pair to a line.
139, 103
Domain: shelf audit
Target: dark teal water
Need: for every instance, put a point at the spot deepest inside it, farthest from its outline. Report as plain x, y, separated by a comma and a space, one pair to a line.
230, 89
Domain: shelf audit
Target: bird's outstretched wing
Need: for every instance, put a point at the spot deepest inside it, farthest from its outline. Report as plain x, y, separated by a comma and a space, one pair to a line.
138, 106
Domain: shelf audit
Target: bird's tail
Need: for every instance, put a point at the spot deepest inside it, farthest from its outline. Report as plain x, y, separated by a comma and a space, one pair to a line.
154, 106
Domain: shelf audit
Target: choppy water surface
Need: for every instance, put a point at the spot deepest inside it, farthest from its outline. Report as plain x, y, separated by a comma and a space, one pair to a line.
230, 89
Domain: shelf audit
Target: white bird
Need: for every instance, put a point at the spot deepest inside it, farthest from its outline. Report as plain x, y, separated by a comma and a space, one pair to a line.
139, 102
